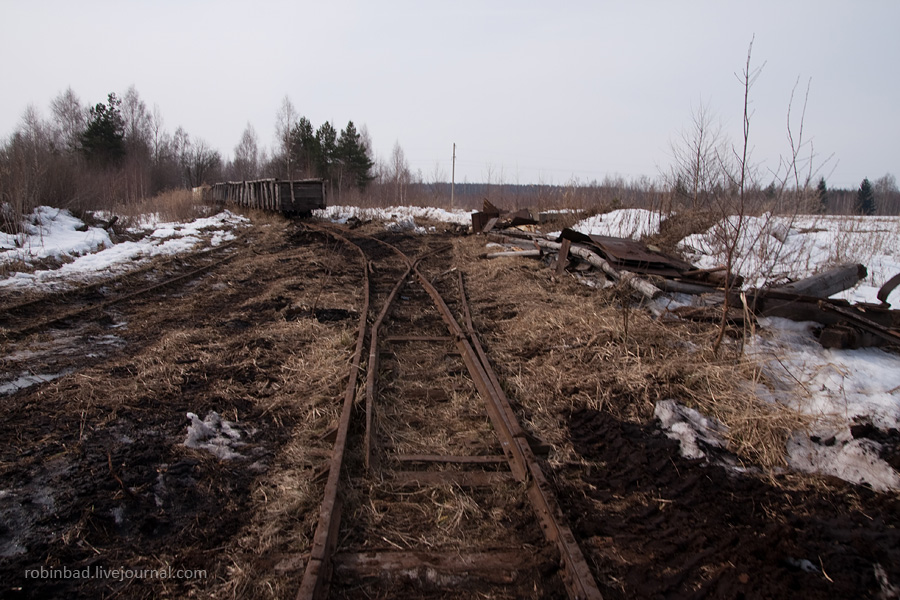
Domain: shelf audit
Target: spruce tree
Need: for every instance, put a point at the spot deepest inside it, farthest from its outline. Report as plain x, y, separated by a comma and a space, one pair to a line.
865, 198
305, 147
326, 137
103, 141
354, 157
822, 194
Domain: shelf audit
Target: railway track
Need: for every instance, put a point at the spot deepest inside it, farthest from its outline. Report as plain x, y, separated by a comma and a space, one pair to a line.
20, 319
433, 488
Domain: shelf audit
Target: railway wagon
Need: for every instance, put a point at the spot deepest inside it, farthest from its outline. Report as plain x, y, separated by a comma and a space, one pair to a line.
298, 197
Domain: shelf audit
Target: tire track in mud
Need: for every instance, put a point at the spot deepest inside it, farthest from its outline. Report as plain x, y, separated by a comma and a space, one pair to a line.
659, 525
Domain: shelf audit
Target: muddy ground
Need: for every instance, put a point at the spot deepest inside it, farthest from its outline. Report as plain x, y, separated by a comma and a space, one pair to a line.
95, 473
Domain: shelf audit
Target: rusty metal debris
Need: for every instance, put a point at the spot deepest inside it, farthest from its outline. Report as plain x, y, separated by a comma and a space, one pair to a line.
650, 272
620, 260
492, 217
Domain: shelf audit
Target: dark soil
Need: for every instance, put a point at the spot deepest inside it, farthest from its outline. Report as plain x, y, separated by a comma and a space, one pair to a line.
658, 525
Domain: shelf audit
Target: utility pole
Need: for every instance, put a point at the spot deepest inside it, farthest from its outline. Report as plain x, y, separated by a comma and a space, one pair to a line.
453, 176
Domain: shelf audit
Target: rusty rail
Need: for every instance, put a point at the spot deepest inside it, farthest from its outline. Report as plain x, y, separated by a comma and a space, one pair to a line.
34, 327
518, 454
576, 573
318, 568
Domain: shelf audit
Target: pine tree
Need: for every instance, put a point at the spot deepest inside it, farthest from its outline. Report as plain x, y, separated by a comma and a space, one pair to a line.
103, 141
354, 157
865, 198
305, 147
822, 194
326, 137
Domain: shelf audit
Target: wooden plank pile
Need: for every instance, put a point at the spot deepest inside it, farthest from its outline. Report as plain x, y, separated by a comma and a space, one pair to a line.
651, 272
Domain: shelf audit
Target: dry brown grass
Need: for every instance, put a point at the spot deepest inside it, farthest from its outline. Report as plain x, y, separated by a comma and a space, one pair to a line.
173, 206
559, 346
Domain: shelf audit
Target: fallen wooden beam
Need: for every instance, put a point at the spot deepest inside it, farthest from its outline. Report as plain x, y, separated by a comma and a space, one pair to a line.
518, 253
644, 287
441, 568
857, 320
683, 287
827, 283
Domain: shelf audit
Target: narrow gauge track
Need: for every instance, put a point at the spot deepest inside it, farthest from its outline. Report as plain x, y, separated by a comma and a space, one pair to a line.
433, 488
24, 318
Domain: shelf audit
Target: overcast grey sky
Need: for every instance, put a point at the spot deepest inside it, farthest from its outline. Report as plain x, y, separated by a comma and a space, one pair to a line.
529, 91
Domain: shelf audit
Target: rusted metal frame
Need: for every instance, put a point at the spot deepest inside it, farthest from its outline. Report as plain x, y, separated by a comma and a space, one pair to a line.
500, 420
577, 575
318, 569
887, 288
372, 368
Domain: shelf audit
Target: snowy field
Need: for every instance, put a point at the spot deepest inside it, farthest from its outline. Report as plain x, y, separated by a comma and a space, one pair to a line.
839, 387
88, 253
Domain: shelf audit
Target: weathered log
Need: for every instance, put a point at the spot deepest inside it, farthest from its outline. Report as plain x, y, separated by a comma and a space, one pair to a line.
520, 254
827, 283
644, 287
525, 244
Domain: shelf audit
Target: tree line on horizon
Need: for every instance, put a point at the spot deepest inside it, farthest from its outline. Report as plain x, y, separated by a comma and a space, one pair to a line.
119, 151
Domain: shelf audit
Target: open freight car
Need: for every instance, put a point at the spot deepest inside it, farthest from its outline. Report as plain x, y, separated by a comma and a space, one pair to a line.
295, 198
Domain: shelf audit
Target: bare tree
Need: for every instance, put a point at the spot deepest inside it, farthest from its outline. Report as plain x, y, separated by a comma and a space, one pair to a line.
138, 129
246, 155
24, 166
695, 171
399, 174
284, 122
887, 196
69, 120
157, 133
202, 163
137, 120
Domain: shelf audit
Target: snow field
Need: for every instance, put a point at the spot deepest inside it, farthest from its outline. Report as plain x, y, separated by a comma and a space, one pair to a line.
54, 233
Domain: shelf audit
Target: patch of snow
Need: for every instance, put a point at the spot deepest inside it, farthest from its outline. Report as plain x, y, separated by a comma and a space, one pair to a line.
852, 460
690, 428
404, 223
51, 233
26, 380
215, 435
828, 383
632, 223
93, 254
773, 248
837, 387
341, 214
